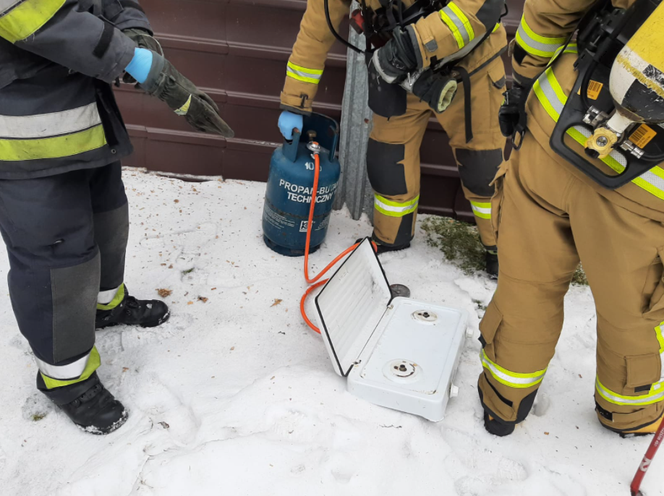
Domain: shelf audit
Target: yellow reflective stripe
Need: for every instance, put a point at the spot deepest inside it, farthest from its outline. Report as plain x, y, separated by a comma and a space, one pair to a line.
660, 337
57, 147
537, 88
464, 20
455, 32
655, 395
185, 108
27, 18
481, 210
535, 44
93, 362
395, 209
571, 48
303, 73
458, 23
117, 299
496, 28
511, 379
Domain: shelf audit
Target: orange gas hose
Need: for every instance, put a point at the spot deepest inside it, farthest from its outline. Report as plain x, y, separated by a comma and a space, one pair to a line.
306, 251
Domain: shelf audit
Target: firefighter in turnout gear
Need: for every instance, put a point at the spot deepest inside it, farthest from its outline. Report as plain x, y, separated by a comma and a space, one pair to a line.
564, 197
415, 66
63, 209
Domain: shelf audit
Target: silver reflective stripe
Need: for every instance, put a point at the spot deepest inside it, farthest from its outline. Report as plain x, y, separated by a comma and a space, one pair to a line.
542, 46
303, 74
508, 378
49, 125
407, 206
105, 297
481, 210
550, 94
653, 179
619, 399
63, 372
461, 27
5, 5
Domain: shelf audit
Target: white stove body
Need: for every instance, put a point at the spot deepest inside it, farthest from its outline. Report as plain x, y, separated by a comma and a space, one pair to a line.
398, 353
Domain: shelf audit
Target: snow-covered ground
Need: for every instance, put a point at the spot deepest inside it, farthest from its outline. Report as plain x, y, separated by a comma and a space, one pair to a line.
235, 396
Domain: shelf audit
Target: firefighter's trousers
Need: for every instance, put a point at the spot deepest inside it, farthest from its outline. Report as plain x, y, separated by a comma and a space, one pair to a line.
66, 237
547, 220
393, 157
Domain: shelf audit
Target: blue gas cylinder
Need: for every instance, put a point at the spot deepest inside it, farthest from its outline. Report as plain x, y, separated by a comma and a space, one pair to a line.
290, 187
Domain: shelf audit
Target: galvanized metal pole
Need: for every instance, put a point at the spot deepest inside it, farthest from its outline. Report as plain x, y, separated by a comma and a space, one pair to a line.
354, 188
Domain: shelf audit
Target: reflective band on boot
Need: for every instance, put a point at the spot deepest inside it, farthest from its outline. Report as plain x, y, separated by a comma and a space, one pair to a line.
481, 210
655, 395
552, 97
458, 23
20, 19
535, 44
393, 208
117, 299
509, 378
64, 375
304, 74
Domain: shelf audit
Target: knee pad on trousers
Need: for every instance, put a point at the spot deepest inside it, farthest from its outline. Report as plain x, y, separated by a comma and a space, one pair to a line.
477, 169
386, 175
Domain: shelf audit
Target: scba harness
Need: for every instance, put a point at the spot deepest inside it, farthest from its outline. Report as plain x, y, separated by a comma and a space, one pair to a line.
437, 84
616, 107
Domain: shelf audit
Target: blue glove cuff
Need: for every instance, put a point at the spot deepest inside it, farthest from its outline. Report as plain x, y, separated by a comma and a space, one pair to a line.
140, 65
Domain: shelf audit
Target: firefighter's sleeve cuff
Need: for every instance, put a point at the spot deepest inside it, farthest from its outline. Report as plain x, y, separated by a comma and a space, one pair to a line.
298, 96
526, 67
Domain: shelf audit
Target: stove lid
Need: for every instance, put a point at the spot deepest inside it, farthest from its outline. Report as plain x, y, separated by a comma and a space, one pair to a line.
351, 305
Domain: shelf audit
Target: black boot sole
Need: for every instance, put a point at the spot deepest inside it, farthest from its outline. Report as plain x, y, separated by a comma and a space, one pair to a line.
91, 429
149, 323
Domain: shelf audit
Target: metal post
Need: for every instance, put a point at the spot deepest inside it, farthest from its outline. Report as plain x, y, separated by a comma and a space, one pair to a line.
354, 188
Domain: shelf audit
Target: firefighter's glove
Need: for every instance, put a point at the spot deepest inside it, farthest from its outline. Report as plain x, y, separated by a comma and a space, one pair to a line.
183, 97
288, 122
512, 115
437, 90
143, 39
397, 58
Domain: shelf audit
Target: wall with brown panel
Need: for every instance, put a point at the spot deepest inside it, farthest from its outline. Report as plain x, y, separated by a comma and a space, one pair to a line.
237, 51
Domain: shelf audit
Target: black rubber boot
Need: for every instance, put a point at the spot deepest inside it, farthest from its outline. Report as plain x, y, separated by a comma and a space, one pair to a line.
492, 262
130, 311
88, 404
496, 427
384, 249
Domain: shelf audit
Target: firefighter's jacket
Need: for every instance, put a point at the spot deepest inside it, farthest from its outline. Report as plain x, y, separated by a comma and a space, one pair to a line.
544, 54
57, 60
453, 29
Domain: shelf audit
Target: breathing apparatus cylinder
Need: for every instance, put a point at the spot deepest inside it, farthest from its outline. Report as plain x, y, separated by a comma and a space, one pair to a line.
290, 186
637, 77
636, 84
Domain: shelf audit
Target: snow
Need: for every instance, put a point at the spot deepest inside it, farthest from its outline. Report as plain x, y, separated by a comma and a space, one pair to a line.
234, 395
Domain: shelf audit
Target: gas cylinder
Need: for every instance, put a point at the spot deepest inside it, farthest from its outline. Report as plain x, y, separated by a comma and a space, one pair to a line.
289, 189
